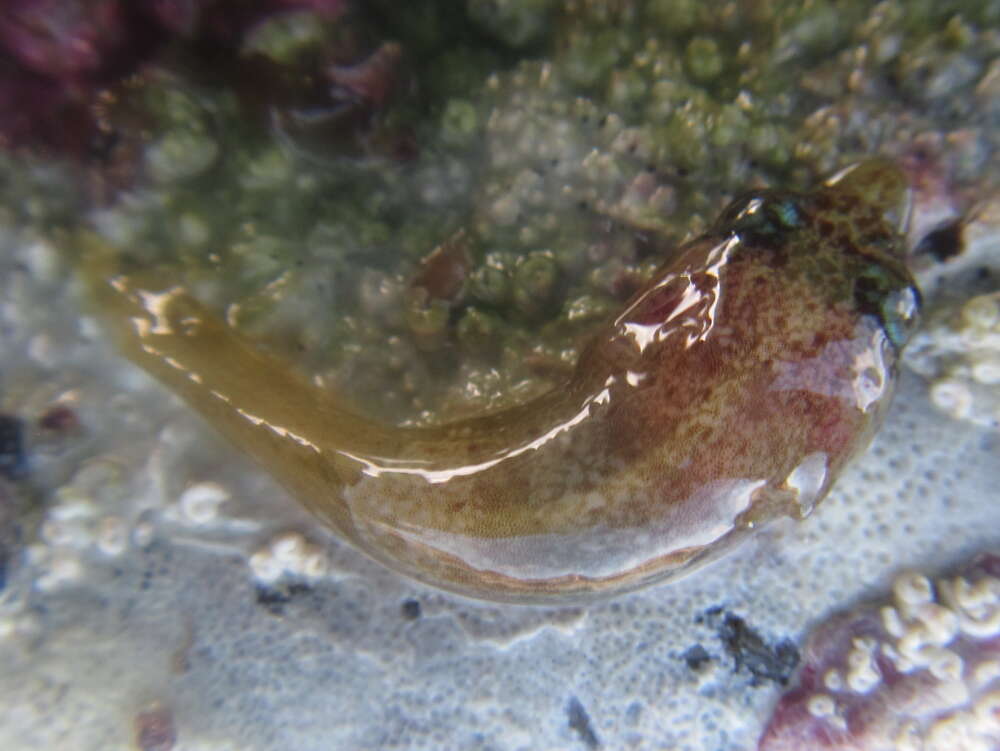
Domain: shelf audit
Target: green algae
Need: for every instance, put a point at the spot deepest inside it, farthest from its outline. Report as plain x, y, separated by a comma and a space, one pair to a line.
576, 152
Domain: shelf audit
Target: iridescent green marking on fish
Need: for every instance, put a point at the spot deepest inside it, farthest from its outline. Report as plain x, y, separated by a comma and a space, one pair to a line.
732, 389
885, 295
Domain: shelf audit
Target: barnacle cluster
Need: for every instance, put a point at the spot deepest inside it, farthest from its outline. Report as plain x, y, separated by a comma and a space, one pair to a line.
959, 352
918, 672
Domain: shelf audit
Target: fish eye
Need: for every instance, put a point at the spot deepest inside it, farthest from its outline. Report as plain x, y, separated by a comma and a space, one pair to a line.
761, 215
900, 314
895, 303
785, 212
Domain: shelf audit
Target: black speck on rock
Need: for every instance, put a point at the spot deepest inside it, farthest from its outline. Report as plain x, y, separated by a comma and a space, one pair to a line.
274, 599
410, 609
579, 721
13, 461
696, 657
942, 243
8, 532
765, 662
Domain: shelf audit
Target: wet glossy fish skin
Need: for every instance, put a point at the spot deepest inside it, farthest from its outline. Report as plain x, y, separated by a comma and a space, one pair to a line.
732, 389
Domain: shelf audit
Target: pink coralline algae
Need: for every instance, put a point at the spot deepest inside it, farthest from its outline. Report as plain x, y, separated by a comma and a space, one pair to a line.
62, 39
918, 673
56, 56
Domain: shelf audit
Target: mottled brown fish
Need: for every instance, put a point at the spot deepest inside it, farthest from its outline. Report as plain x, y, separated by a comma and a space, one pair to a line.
731, 390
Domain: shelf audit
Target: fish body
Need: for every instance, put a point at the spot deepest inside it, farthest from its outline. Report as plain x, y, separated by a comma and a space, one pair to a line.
732, 389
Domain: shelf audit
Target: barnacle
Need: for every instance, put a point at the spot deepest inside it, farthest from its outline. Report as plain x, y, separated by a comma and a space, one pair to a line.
918, 671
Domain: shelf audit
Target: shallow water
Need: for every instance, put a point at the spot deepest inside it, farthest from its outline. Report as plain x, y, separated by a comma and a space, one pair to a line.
157, 582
